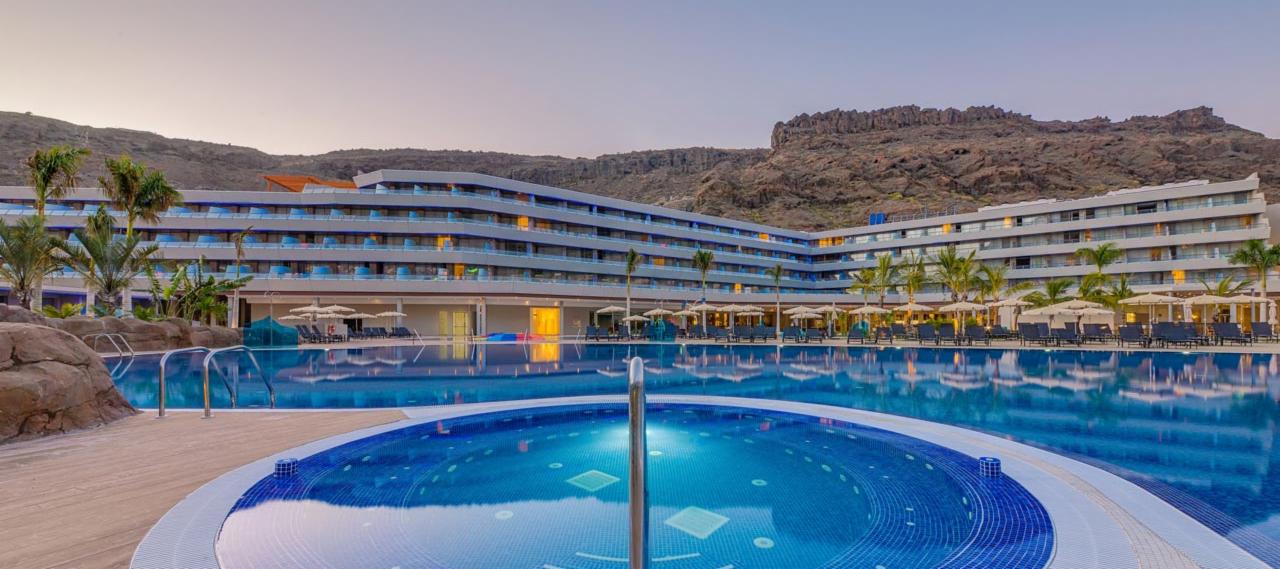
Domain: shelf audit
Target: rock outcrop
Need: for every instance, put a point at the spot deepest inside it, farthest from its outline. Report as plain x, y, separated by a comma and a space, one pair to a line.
143, 336
822, 170
51, 382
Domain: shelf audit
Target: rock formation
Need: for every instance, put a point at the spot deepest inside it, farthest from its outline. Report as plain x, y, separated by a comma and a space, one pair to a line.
822, 170
143, 336
51, 382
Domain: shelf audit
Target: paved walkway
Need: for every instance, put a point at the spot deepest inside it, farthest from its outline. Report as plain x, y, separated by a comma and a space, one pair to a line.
85, 500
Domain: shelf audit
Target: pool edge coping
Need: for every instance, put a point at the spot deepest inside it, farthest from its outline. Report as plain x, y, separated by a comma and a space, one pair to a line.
1084, 534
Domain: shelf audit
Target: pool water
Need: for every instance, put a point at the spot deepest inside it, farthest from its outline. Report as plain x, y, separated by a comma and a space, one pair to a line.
548, 488
1199, 430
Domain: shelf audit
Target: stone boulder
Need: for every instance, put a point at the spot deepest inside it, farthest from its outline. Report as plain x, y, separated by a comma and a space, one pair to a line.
51, 382
143, 336
11, 313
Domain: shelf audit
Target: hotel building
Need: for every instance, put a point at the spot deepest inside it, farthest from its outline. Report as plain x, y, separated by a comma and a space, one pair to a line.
464, 253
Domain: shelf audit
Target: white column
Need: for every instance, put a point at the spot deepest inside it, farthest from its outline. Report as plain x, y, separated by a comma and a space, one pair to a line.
126, 300
89, 299
481, 317
400, 309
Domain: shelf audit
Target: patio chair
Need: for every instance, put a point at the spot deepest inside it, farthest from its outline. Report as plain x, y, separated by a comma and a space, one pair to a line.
764, 333
975, 333
1096, 333
1230, 332
999, 332
899, 331
1067, 335
947, 333
1262, 331
883, 333
1132, 334
926, 333
1167, 334
815, 334
1032, 334
855, 335
719, 334
791, 333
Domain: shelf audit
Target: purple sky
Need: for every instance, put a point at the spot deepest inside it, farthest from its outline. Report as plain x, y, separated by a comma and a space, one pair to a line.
585, 78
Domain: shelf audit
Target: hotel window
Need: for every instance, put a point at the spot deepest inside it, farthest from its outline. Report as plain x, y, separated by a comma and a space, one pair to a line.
1071, 237
1149, 207
1179, 276
1022, 263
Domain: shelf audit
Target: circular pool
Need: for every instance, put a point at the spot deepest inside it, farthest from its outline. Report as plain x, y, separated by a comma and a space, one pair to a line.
547, 488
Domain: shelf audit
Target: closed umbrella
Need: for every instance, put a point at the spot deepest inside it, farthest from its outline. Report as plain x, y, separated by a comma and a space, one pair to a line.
829, 313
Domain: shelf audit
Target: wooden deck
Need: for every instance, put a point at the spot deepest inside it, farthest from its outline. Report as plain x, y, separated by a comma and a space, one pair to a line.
85, 500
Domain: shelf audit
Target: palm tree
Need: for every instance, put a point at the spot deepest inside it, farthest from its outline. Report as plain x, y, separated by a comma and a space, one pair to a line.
775, 272
1119, 290
885, 276
994, 284
702, 261
864, 283
52, 172
955, 271
1256, 256
237, 239
633, 261
1100, 257
914, 276
140, 192
1225, 287
1055, 291
26, 257
108, 263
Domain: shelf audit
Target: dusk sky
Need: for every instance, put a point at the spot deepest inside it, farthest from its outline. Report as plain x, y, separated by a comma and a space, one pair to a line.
585, 78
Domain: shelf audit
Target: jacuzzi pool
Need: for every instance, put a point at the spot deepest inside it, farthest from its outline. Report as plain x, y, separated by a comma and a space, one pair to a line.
546, 488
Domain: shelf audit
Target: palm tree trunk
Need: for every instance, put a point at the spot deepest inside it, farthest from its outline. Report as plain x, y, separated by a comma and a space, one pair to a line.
35, 297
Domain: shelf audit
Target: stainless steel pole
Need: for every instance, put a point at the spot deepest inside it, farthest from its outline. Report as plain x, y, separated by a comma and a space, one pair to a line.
208, 413
638, 499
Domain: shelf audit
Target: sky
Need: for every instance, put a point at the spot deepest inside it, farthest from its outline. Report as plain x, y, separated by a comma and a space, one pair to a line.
583, 78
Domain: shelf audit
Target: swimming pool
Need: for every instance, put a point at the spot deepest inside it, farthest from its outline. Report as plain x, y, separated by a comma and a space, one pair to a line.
729, 487
1198, 430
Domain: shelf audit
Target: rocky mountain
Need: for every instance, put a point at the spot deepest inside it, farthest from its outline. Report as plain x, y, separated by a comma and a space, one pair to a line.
823, 170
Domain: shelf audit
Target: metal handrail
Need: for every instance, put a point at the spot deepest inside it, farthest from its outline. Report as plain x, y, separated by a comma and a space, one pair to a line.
638, 495
111, 337
163, 360
208, 359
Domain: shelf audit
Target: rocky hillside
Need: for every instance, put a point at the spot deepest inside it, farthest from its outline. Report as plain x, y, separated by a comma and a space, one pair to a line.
824, 170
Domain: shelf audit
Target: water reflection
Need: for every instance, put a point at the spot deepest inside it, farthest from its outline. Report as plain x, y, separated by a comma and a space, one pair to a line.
1197, 429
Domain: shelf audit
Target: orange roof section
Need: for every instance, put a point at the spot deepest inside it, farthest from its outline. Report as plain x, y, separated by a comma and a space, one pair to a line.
294, 183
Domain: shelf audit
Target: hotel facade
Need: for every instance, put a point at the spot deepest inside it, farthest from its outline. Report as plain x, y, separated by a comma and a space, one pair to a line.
464, 253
